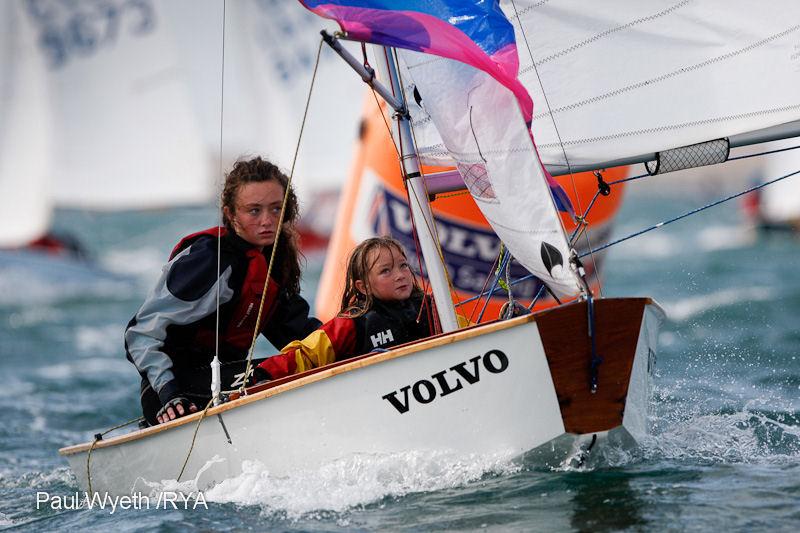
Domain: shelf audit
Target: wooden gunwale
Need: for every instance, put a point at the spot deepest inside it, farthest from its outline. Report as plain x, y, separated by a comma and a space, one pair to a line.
261, 392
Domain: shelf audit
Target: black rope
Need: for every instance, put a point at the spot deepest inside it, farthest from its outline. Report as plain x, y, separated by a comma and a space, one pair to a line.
764, 153
656, 226
623, 180
692, 212
645, 175
535, 298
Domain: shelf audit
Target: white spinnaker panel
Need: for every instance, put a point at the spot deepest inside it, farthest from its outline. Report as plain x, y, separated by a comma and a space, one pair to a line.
482, 128
125, 133
625, 78
25, 203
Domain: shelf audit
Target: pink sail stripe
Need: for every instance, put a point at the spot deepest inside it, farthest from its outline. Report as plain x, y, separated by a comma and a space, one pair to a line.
431, 35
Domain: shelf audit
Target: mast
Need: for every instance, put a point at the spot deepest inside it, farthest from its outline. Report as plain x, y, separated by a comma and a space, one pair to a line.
418, 196
419, 201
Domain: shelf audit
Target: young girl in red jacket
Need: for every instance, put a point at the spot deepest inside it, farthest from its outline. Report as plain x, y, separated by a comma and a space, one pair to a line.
382, 307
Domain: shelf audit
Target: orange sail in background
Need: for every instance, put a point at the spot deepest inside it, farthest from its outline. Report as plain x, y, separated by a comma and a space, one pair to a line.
373, 202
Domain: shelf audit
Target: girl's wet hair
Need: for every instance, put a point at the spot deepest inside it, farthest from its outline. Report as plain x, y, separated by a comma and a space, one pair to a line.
354, 302
287, 257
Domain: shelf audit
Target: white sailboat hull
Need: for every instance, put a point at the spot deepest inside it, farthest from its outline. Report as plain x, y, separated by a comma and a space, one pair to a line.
415, 398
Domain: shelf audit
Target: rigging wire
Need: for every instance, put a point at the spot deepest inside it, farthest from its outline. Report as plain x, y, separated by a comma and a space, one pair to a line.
431, 230
768, 152
561, 145
694, 211
395, 144
219, 205
485, 284
248, 367
214, 397
647, 175
655, 226
194, 437
279, 232
369, 68
386, 122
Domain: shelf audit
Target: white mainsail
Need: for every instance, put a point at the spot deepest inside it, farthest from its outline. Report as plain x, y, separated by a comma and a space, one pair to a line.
24, 132
629, 78
619, 79
609, 82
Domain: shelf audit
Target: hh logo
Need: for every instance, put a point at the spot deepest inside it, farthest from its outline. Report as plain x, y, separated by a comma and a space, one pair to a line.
447, 381
379, 339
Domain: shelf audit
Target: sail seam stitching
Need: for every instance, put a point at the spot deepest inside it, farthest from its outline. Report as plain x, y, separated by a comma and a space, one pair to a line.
672, 126
603, 34
531, 8
669, 75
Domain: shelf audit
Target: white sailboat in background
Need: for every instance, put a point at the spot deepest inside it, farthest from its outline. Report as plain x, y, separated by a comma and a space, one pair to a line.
127, 134
552, 380
117, 106
777, 207
25, 133
137, 103
103, 122
30, 254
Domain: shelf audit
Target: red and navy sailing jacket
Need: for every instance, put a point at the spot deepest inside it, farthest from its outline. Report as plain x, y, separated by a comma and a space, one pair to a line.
172, 338
385, 325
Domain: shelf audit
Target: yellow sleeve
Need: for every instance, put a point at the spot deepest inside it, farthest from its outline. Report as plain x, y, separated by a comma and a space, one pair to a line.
314, 351
463, 321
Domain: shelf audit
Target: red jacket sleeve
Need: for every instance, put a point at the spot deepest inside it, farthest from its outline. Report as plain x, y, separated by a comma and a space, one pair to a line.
333, 341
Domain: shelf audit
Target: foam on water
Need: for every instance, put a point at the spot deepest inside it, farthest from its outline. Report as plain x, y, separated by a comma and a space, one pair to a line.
687, 308
660, 244
725, 237
34, 316
61, 476
144, 263
350, 482
762, 431
102, 339
84, 367
21, 287
15, 387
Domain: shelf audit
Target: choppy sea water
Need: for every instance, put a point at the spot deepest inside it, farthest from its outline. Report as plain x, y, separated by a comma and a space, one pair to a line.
723, 451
